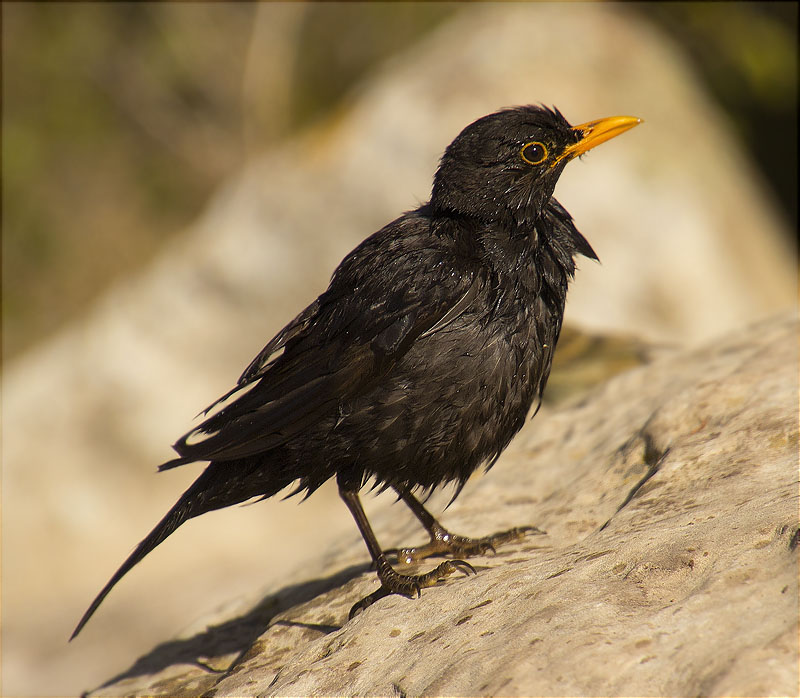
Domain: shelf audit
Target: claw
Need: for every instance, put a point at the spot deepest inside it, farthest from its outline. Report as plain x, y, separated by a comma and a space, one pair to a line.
445, 543
368, 601
442, 543
530, 529
464, 567
410, 586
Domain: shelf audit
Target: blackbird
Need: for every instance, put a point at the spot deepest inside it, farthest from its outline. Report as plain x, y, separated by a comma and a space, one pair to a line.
423, 357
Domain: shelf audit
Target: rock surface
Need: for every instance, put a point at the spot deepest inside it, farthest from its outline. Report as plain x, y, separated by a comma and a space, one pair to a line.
669, 567
689, 245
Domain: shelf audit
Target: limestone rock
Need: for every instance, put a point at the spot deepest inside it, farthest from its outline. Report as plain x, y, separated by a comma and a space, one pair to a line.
669, 567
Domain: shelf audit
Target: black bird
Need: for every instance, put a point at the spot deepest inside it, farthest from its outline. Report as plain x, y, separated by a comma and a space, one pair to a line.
423, 357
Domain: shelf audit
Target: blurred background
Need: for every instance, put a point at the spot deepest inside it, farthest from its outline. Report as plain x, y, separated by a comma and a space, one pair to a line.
120, 119
178, 179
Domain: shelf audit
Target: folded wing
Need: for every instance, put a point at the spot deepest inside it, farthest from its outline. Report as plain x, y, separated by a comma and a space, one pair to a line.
339, 347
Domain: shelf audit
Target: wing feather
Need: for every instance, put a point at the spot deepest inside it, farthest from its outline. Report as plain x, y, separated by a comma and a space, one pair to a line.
340, 346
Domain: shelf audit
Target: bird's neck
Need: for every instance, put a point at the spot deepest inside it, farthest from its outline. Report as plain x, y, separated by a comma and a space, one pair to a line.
517, 230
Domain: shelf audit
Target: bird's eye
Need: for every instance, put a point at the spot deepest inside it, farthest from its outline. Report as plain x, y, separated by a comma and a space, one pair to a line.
534, 153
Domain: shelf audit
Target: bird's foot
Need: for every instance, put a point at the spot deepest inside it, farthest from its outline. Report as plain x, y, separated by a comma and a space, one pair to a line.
445, 543
409, 585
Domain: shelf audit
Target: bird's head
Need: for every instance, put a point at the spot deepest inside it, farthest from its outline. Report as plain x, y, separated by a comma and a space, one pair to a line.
506, 165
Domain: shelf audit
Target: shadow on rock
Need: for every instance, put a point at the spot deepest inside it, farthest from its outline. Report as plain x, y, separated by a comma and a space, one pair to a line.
237, 635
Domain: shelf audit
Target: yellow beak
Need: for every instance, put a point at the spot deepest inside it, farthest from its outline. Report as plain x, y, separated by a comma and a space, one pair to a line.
596, 132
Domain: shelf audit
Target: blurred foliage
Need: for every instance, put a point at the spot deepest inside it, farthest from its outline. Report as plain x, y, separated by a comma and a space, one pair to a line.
119, 119
366, 32
746, 53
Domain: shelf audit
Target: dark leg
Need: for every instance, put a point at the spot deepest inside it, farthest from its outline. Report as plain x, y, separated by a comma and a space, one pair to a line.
392, 582
445, 543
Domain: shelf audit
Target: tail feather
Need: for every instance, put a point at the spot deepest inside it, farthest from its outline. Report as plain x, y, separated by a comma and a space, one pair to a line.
182, 511
222, 484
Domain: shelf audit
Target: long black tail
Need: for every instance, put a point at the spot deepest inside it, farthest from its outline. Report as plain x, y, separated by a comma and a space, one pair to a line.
220, 485
174, 518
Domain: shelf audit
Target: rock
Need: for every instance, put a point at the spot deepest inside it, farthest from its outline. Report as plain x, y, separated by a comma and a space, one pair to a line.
669, 567
689, 245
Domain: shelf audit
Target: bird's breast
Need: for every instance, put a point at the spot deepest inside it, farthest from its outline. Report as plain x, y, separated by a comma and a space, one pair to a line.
459, 395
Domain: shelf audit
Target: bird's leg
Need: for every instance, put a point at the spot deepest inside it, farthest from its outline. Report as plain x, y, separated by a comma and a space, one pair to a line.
392, 582
445, 543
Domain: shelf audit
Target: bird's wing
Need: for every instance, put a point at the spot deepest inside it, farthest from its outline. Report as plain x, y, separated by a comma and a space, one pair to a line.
267, 355
337, 348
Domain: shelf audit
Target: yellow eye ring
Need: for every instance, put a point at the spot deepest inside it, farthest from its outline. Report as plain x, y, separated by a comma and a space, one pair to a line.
533, 153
